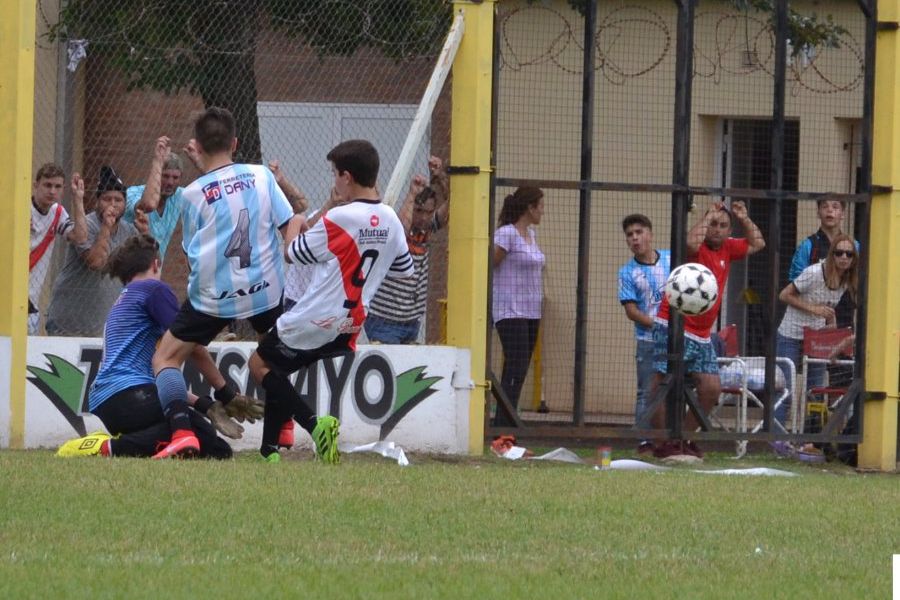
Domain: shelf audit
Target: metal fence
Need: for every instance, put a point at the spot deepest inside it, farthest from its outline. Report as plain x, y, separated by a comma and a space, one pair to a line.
299, 75
662, 108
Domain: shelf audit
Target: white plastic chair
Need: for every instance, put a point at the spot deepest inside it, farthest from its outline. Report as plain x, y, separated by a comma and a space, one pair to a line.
742, 378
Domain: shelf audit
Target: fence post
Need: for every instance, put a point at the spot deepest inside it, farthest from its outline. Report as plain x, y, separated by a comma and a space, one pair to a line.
879, 447
469, 243
17, 31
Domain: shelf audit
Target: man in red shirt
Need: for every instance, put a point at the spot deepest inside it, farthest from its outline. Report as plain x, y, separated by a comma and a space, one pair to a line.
710, 244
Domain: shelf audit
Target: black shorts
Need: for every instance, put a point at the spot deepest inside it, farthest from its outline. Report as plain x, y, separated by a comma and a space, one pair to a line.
285, 360
132, 409
191, 325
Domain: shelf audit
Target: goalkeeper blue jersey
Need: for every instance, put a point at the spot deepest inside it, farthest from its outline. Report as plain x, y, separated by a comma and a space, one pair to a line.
231, 219
137, 320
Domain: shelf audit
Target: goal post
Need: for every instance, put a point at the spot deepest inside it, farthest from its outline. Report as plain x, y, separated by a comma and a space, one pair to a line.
17, 46
419, 125
469, 242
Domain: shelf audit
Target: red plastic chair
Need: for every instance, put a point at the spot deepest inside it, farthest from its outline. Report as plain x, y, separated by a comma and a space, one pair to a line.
818, 344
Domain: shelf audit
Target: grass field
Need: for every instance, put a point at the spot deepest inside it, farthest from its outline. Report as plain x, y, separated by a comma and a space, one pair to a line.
441, 528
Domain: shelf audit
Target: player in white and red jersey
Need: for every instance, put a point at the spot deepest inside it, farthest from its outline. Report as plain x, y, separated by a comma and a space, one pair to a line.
354, 247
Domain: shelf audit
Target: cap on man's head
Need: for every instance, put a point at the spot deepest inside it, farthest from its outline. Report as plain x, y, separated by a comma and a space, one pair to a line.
108, 180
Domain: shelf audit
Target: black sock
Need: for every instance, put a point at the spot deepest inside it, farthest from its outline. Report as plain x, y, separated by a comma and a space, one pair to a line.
177, 414
282, 403
307, 422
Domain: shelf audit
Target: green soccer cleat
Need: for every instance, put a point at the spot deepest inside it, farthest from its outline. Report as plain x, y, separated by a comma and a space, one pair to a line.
325, 436
88, 445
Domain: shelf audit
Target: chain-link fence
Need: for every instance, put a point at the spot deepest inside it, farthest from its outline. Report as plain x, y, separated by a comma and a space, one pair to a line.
112, 76
685, 111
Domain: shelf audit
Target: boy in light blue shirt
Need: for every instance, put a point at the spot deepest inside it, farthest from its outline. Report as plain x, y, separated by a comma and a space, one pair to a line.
642, 282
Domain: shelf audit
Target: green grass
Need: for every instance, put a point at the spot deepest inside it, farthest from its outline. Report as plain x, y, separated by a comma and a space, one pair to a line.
442, 528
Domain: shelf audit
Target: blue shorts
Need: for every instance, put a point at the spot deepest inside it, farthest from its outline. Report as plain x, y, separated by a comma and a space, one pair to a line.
385, 331
699, 357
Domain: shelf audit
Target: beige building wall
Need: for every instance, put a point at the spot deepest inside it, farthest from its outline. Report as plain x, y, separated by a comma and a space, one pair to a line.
539, 133
46, 74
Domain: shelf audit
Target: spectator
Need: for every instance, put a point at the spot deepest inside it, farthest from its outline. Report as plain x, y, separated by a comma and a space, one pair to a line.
710, 244
812, 299
518, 289
642, 284
814, 249
161, 197
48, 220
397, 309
83, 292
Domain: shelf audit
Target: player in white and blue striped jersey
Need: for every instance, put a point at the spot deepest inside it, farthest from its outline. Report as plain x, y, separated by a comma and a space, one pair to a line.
230, 219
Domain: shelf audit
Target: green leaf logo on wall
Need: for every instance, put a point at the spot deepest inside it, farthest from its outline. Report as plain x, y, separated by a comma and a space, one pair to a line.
63, 384
412, 388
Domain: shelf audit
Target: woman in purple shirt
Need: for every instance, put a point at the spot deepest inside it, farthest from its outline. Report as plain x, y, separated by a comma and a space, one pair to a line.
518, 288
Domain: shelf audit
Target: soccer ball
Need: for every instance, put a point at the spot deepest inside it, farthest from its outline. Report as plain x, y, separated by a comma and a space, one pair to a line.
692, 289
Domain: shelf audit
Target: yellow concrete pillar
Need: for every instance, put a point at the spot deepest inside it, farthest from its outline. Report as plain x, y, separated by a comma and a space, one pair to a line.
879, 448
17, 27
470, 146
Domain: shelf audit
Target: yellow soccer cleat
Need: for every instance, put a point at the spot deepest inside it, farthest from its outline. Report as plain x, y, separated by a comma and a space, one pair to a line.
89, 445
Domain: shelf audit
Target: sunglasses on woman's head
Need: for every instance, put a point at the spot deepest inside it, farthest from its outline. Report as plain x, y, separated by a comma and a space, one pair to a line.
845, 253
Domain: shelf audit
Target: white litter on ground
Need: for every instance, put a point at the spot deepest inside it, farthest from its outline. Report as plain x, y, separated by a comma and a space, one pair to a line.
751, 471
514, 453
639, 465
628, 464
561, 455
385, 449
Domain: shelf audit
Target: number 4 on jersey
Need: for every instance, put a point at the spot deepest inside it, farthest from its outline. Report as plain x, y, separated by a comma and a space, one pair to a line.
239, 244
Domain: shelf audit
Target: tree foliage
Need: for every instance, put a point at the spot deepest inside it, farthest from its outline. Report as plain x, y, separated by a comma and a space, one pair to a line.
206, 47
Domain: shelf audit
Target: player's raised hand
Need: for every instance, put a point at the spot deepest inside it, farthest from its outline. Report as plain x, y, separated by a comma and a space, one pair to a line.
739, 210
77, 188
243, 408
713, 210
192, 151
275, 167
417, 184
163, 148
141, 221
110, 216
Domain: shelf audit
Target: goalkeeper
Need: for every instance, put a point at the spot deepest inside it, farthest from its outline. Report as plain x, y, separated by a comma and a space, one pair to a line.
124, 394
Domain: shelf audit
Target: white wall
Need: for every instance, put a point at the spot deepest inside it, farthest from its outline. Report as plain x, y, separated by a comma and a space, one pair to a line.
370, 407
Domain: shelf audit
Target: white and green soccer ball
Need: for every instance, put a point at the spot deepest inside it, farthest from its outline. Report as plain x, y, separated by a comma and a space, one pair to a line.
692, 289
